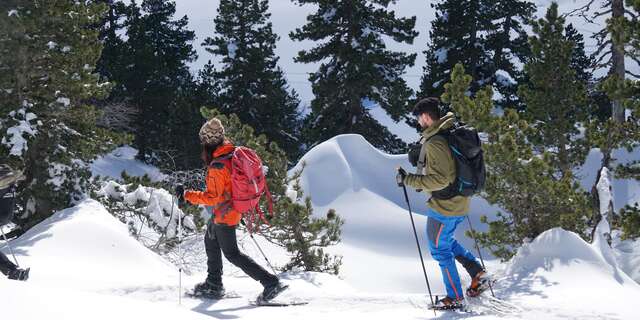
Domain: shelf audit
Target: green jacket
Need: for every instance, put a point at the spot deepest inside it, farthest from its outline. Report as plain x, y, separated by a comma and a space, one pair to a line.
439, 170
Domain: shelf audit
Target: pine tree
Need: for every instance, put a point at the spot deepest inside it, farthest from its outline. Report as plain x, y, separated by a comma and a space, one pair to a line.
530, 154
111, 64
486, 36
522, 177
293, 225
554, 95
250, 83
158, 50
48, 52
356, 69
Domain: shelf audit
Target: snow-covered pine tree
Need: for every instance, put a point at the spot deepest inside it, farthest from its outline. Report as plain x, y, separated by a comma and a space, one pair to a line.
249, 82
156, 75
486, 36
48, 53
356, 69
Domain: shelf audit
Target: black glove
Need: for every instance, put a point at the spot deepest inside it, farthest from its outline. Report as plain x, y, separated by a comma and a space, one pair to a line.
400, 177
414, 155
180, 195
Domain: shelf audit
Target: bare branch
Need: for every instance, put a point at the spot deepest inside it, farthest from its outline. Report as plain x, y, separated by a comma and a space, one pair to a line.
637, 76
600, 14
582, 11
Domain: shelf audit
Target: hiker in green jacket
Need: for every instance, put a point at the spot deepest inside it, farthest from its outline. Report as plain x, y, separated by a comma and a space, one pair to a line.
436, 173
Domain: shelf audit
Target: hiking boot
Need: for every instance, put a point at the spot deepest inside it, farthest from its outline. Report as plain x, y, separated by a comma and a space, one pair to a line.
18, 274
209, 290
273, 290
448, 303
479, 284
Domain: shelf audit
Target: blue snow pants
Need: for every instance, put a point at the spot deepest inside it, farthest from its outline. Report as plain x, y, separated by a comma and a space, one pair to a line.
446, 250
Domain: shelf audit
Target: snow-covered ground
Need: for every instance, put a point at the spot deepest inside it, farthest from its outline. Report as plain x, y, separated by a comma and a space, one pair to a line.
85, 264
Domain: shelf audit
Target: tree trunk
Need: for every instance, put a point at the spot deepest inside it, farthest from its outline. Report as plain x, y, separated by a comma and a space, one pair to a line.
617, 57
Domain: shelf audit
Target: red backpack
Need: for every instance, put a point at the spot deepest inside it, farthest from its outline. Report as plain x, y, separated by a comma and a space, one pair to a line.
248, 184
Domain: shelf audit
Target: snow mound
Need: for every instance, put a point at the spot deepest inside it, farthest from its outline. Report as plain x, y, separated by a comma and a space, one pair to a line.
559, 270
123, 159
85, 243
349, 163
348, 174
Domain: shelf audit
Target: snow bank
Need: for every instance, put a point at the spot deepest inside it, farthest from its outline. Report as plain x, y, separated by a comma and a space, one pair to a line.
559, 270
89, 246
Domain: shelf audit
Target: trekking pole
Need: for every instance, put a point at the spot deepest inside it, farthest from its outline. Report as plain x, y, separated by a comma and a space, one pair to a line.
260, 249
10, 249
179, 250
13, 207
415, 234
473, 233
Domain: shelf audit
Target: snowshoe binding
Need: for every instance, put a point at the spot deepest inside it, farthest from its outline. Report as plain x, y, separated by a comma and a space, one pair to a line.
479, 284
447, 303
272, 291
19, 274
208, 290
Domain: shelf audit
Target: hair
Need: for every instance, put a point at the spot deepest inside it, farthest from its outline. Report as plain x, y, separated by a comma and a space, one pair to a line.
208, 149
430, 106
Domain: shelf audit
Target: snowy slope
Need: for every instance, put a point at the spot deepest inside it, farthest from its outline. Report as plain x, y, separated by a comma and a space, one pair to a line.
348, 174
84, 260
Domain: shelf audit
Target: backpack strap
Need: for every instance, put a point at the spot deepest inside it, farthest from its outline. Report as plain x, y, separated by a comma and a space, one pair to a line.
422, 159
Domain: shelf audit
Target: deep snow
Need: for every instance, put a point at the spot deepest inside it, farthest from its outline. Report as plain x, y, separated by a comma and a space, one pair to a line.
84, 262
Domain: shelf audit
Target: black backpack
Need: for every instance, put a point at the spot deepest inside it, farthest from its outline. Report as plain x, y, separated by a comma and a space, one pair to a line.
466, 149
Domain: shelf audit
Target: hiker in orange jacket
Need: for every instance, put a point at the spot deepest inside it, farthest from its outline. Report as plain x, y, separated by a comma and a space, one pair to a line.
221, 230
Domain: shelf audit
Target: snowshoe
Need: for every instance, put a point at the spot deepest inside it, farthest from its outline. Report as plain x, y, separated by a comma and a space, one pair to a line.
480, 283
261, 303
19, 274
208, 290
272, 291
447, 303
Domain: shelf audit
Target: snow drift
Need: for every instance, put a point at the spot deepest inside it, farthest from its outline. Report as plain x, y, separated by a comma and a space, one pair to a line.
560, 271
89, 245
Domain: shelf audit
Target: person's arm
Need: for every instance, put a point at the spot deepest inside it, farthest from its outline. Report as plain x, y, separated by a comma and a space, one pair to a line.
440, 170
213, 194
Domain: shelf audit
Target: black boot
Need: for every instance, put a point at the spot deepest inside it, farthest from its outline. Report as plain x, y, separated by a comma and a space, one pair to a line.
209, 290
273, 290
18, 274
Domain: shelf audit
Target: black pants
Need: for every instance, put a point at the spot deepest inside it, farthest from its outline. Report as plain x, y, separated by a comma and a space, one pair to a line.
222, 239
6, 265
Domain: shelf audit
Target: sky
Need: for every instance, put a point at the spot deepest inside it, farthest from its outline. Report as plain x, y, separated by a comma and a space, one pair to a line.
286, 16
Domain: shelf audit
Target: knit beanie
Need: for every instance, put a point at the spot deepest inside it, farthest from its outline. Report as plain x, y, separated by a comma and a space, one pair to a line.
212, 132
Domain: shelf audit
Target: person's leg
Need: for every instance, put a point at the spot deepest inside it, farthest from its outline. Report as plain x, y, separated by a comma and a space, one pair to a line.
214, 256
465, 257
5, 264
226, 236
440, 233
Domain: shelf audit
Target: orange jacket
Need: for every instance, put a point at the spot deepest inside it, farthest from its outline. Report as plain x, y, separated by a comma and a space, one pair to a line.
218, 192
